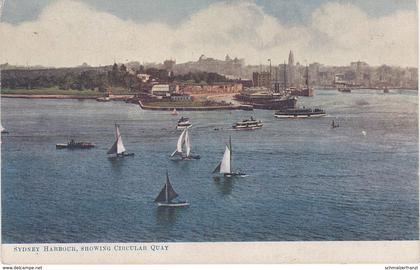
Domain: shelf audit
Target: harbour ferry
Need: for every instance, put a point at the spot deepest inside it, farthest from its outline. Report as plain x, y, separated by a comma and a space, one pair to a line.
183, 123
300, 113
247, 124
72, 144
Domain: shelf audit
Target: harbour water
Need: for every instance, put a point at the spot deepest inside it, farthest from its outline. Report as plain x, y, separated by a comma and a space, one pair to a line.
306, 181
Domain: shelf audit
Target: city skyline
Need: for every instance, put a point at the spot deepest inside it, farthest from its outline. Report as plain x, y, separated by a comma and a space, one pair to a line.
67, 33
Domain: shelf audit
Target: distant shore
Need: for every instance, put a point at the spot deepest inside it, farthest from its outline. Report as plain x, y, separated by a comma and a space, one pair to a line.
48, 96
56, 93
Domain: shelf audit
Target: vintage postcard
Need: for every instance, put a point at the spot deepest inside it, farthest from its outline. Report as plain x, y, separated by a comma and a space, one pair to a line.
209, 131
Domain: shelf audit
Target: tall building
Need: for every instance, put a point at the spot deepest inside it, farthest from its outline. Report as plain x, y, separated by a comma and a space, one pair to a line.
261, 79
283, 75
291, 69
291, 58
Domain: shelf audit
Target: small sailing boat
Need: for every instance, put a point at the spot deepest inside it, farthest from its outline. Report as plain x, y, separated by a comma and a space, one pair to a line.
334, 124
118, 148
225, 165
174, 112
167, 194
183, 147
3, 130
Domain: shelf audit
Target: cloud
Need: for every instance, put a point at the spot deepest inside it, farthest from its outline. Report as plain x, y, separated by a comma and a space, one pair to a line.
68, 33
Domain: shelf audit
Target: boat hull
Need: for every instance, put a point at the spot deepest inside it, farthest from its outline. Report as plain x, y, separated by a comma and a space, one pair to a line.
192, 157
182, 127
174, 204
247, 124
60, 146
181, 158
125, 155
237, 174
122, 155
66, 146
284, 116
267, 102
276, 105
248, 128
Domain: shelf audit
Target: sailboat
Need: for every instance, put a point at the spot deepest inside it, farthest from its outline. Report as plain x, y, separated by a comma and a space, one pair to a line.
174, 112
183, 147
3, 130
334, 124
118, 148
225, 165
167, 194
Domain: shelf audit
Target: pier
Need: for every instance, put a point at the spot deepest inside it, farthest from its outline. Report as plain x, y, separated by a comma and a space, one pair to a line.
204, 108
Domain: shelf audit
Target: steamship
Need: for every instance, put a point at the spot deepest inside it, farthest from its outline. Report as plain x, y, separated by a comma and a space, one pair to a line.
267, 100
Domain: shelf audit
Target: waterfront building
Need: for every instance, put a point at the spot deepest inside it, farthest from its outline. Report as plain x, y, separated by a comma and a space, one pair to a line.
143, 77
291, 69
215, 88
161, 90
228, 66
282, 76
181, 97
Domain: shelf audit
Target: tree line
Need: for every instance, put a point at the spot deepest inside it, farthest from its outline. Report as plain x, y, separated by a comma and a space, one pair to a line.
100, 78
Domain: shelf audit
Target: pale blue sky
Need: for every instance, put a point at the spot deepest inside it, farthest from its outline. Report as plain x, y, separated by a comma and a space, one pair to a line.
333, 32
175, 11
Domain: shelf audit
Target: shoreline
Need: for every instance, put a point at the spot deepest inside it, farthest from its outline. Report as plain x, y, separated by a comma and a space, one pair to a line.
28, 96
124, 97
47, 96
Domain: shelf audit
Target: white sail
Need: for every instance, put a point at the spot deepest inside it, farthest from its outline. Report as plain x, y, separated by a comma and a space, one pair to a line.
225, 163
181, 141
179, 144
118, 146
187, 143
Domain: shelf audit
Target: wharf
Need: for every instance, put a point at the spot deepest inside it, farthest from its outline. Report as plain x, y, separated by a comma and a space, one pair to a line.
204, 108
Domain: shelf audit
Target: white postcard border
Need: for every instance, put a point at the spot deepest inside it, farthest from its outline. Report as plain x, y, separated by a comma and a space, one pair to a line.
214, 253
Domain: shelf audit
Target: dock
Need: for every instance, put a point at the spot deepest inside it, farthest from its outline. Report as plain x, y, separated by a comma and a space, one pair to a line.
205, 108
